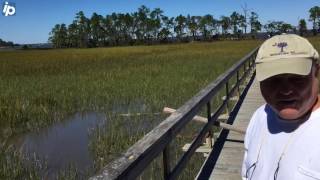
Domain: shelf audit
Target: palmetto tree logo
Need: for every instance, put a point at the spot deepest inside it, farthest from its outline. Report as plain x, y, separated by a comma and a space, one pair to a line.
281, 45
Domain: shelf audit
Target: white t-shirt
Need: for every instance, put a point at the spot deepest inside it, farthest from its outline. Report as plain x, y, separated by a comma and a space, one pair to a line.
283, 149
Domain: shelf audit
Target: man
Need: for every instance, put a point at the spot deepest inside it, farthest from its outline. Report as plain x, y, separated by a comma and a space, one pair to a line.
283, 137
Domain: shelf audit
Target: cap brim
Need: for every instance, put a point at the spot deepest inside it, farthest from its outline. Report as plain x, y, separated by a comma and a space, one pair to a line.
300, 66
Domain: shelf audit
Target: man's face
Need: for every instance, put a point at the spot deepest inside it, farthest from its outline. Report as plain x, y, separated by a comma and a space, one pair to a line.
291, 96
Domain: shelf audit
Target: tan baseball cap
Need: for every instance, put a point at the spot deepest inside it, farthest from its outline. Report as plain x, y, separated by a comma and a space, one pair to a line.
285, 53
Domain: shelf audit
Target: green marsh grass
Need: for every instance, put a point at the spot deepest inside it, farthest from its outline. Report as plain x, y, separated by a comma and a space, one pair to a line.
41, 87
38, 87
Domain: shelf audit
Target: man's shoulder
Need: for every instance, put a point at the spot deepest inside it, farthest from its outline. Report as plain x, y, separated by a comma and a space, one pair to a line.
258, 117
260, 111
256, 123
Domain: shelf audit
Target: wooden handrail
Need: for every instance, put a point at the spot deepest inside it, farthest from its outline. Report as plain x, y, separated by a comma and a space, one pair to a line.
141, 154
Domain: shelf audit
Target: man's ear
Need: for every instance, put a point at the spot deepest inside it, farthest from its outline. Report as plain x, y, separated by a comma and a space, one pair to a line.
317, 66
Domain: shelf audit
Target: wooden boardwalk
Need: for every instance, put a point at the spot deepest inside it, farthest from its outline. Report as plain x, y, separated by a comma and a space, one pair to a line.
229, 164
140, 155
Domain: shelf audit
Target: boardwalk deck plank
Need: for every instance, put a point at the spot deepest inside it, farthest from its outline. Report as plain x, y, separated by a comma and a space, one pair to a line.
229, 164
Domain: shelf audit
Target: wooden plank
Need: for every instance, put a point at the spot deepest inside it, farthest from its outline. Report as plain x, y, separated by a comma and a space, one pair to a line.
195, 143
212, 159
230, 160
205, 120
233, 98
201, 149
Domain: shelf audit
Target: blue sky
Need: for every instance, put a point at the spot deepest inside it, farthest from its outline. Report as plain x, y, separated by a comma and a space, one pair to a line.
35, 18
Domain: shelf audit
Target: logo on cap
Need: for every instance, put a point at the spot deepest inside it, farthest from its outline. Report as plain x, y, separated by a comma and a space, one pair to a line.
281, 45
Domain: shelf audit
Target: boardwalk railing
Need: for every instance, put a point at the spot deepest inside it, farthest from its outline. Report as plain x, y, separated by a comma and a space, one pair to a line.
142, 153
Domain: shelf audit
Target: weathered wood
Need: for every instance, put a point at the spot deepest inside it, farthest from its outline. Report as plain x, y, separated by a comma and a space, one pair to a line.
209, 133
233, 98
138, 114
229, 163
196, 142
141, 154
223, 117
205, 120
201, 149
166, 162
213, 157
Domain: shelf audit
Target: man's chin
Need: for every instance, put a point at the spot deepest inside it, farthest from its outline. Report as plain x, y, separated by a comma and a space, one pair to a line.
289, 113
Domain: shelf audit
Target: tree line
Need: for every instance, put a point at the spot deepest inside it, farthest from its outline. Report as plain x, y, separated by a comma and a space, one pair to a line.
147, 26
6, 43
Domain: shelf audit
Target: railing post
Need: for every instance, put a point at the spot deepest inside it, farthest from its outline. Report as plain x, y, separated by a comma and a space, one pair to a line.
238, 83
252, 63
247, 72
166, 162
227, 97
210, 134
253, 60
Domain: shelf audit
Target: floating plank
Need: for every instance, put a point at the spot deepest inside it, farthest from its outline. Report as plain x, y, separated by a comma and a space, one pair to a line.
201, 149
233, 98
205, 148
223, 117
138, 114
205, 120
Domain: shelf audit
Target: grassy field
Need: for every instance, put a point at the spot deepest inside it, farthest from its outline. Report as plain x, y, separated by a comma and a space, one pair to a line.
41, 87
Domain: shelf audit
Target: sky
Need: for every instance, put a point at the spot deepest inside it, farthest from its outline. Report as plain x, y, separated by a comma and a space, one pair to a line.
34, 19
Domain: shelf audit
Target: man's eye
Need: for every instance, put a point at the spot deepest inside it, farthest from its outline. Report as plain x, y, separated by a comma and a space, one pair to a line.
298, 79
273, 80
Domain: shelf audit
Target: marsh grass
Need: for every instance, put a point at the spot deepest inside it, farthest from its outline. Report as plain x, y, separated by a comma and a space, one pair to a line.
17, 165
41, 87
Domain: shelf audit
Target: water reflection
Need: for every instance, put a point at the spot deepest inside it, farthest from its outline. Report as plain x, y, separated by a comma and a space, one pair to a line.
64, 143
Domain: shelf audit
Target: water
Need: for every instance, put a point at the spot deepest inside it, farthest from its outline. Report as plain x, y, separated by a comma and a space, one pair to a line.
64, 143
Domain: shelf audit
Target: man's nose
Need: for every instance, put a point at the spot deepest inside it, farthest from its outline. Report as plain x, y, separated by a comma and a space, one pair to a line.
285, 87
